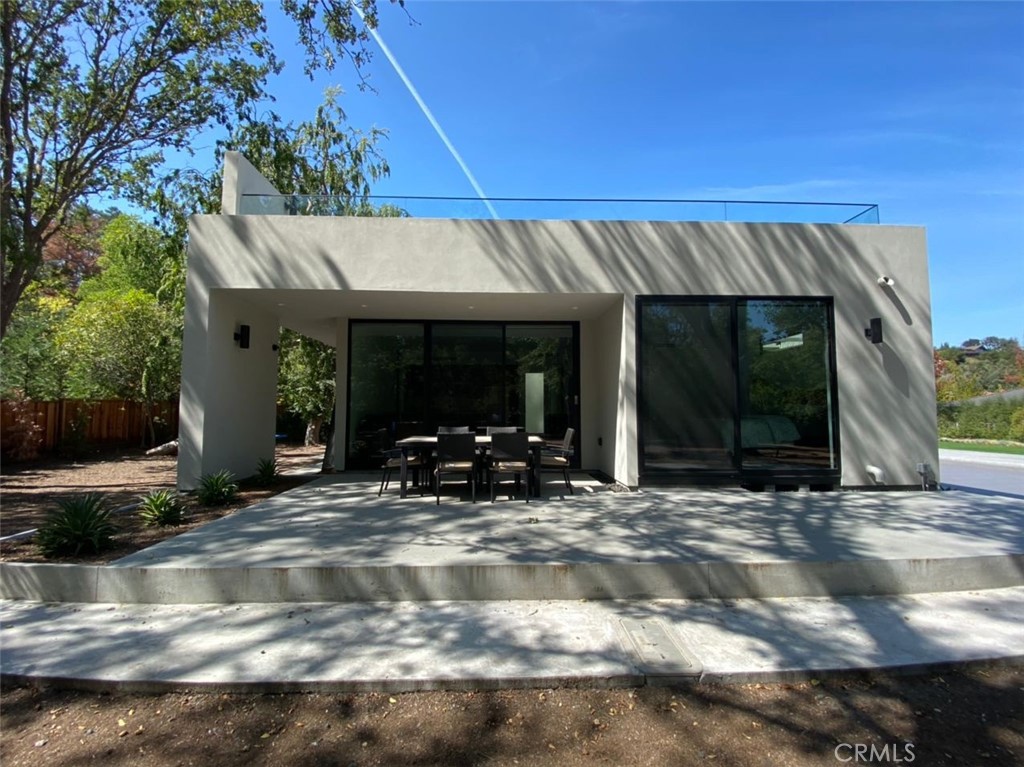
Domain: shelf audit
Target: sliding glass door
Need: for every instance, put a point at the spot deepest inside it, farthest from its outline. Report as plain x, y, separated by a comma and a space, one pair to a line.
737, 389
411, 377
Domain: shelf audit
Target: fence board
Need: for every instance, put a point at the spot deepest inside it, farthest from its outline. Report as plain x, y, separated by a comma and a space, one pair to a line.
106, 422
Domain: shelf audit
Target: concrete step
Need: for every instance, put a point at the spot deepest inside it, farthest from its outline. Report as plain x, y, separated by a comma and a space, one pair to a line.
168, 584
400, 646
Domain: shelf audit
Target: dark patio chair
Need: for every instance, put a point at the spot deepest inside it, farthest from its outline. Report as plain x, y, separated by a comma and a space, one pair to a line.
510, 454
393, 460
456, 454
556, 457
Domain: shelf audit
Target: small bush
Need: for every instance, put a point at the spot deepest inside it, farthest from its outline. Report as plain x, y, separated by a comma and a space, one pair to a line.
24, 437
266, 472
217, 489
80, 525
162, 508
982, 420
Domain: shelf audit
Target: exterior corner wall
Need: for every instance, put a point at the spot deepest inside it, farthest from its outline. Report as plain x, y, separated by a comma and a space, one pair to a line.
601, 365
627, 443
887, 402
240, 177
228, 410
192, 401
341, 394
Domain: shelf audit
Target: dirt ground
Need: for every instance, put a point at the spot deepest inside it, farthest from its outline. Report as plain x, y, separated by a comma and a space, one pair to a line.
28, 491
968, 717
955, 718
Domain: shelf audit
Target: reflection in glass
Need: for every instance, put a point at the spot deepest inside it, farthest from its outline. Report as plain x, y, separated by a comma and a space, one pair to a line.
386, 387
539, 383
687, 386
465, 375
411, 377
784, 384
734, 387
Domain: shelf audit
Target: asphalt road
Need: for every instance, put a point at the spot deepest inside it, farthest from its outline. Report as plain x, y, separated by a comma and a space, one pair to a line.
982, 472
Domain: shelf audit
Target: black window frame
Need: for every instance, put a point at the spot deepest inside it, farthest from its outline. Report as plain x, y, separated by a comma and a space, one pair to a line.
428, 327
815, 477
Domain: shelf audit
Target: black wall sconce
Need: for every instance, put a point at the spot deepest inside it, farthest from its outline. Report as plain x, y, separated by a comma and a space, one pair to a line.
275, 347
874, 332
242, 336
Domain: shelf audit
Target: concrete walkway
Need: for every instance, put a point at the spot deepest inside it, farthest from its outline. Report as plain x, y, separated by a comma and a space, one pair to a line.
400, 646
937, 578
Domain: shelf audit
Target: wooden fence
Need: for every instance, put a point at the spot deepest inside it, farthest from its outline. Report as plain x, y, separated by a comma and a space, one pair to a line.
101, 422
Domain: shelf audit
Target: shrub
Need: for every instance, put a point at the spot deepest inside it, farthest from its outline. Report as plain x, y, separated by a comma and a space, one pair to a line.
161, 508
1017, 425
24, 437
266, 472
217, 489
982, 420
80, 525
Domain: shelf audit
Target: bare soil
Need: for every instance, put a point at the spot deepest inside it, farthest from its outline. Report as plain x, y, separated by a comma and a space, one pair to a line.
29, 491
966, 717
958, 718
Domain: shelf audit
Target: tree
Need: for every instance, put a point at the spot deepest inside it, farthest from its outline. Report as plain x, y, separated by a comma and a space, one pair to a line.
123, 345
318, 158
31, 364
133, 255
94, 91
306, 381
330, 168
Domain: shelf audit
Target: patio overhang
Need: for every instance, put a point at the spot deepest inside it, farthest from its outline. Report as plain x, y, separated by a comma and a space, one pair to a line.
315, 313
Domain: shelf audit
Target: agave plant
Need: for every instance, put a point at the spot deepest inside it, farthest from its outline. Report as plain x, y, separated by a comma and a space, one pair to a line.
266, 472
161, 508
217, 489
79, 525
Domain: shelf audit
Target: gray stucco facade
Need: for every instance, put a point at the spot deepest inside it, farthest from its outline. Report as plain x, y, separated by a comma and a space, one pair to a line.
318, 274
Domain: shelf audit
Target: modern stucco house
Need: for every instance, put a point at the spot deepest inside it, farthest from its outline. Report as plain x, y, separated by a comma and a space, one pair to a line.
689, 352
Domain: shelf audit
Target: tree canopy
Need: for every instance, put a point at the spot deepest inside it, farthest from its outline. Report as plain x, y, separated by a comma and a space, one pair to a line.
94, 91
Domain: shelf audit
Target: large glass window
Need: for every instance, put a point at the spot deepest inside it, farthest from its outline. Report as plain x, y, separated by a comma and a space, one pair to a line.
736, 388
466, 374
540, 391
411, 377
785, 392
688, 385
386, 384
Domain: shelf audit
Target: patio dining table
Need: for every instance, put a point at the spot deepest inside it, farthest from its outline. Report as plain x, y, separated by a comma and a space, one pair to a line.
426, 441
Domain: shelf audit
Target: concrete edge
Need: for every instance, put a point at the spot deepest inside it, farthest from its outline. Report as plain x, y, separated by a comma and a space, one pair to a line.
583, 681
792, 676
592, 581
334, 686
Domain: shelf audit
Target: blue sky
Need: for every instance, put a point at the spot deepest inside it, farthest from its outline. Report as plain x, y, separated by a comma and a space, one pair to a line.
918, 107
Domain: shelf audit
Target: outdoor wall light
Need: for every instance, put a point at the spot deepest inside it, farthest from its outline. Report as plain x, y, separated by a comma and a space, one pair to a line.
874, 330
886, 282
242, 336
275, 347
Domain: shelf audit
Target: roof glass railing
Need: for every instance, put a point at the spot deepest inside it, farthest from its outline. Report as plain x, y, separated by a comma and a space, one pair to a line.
551, 208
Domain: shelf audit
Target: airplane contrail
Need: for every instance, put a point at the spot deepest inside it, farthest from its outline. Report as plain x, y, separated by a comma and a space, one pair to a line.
429, 115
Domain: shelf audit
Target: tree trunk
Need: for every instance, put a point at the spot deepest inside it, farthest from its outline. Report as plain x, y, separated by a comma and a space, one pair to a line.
327, 465
313, 431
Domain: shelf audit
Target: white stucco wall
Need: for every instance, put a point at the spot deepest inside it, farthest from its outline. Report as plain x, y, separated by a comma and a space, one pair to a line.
886, 393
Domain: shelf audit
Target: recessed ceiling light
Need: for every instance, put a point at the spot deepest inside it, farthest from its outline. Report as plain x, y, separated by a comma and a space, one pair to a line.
364, 305
575, 308
282, 304
471, 307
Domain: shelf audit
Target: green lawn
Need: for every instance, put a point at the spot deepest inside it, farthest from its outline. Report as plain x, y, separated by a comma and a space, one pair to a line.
981, 447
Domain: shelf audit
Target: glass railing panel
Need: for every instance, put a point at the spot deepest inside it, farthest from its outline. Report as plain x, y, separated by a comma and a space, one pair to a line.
528, 209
